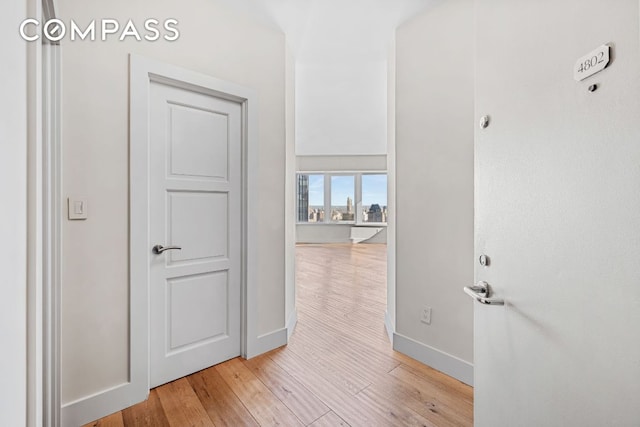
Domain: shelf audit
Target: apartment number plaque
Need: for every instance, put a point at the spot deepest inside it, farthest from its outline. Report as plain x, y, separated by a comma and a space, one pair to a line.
591, 63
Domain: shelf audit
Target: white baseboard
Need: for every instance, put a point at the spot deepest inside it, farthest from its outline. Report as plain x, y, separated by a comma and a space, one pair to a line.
292, 321
101, 404
93, 407
388, 326
98, 405
268, 342
444, 362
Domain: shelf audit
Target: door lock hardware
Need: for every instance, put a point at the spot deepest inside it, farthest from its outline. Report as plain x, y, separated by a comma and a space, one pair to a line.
158, 249
481, 292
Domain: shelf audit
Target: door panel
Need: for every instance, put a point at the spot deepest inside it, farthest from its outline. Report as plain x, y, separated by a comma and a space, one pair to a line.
557, 205
210, 238
198, 142
195, 168
196, 309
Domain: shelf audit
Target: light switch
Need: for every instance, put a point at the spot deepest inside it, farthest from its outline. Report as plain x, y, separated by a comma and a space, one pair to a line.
77, 208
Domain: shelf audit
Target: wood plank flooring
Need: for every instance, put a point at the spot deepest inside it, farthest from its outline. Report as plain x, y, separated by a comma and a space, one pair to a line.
338, 369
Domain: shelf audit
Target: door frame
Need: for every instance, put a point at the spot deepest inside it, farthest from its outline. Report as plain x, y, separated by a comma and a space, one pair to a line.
51, 233
144, 71
44, 218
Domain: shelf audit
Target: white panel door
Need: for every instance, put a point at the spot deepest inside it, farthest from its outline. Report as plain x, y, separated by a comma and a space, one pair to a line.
195, 205
558, 213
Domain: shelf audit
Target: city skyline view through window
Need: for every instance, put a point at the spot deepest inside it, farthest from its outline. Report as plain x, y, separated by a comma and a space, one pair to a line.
350, 198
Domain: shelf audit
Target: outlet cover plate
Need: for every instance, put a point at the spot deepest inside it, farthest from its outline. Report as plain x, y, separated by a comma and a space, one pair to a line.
77, 208
425, 316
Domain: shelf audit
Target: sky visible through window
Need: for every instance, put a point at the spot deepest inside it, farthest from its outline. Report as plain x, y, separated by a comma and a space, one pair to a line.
374, 189
316, 190
342, 187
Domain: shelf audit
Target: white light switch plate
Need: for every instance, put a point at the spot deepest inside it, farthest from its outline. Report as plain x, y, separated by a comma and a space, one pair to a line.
77, 208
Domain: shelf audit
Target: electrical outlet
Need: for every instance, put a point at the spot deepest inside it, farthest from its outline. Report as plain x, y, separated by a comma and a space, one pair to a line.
425, 316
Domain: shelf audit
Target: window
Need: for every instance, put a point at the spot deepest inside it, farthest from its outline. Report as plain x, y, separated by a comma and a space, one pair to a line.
310, 198
374, 198
342, 197
348, 198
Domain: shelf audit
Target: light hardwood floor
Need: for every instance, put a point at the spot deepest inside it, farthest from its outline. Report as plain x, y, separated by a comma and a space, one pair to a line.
337, 370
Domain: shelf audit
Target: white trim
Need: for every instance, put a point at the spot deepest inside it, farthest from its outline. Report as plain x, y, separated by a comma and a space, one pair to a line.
388, 326
44, 212
444, 362
292, 321
327, 199
251, 204
142, 72
36, 193
268, 342
98, 405
52, 229
357, 198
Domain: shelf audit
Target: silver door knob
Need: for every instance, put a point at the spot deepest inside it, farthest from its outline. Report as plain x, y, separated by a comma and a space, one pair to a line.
158, 249
481, 293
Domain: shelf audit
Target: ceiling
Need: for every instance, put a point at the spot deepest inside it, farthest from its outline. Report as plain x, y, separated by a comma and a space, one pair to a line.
335, 30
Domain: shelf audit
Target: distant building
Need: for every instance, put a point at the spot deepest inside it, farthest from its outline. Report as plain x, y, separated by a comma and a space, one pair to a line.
316, 215
375, 213
349, 215
303, 198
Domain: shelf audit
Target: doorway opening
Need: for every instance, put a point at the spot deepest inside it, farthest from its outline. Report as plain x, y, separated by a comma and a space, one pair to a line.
341, 252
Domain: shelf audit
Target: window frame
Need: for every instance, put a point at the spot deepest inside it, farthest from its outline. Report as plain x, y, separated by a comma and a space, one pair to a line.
357, 194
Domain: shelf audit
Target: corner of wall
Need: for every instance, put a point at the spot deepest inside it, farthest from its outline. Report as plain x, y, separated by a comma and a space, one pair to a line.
443, 362
267, 342
290, 190
292, 321
388, 326
434, 183
390, 314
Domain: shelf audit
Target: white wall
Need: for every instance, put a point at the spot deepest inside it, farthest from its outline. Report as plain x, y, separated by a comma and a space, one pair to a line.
341, 53
290, 192
434, 185
216, 41
390, 315
341, 108
13, 216
339, 163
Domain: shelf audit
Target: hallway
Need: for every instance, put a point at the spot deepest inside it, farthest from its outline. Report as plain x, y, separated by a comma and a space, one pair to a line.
338, 369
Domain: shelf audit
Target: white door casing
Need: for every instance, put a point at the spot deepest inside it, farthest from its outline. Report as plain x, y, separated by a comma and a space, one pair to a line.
201, 186
195, 189
557, 205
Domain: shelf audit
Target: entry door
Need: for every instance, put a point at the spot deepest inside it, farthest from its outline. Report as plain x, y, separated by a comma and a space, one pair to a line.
195, 212
558, 214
